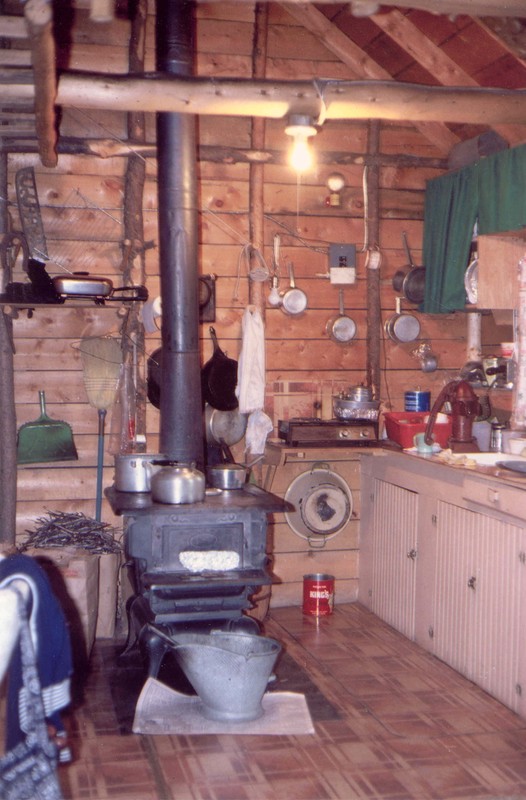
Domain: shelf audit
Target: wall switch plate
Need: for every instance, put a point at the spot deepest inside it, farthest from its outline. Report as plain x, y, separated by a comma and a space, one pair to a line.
342, 275
342, 263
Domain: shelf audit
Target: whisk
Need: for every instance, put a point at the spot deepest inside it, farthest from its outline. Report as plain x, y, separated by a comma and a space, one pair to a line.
101, 364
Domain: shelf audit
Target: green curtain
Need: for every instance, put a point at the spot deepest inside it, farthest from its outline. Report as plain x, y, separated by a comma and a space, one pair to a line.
502, 191
449, 217
491, 192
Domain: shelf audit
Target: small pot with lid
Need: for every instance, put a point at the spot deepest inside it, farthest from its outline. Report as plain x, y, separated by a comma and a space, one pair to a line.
133, 471
355, 403
177, 484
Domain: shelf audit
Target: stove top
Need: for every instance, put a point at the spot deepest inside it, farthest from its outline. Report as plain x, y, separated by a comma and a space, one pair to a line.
334, 432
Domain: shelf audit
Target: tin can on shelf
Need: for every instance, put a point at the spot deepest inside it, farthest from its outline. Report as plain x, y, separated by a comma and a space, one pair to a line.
417, 401
318, 595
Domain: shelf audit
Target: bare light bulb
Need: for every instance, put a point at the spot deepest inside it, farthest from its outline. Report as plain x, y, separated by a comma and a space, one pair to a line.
300, 157
300, 127
335, 183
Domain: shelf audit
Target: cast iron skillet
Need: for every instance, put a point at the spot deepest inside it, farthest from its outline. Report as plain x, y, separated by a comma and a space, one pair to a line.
219, 379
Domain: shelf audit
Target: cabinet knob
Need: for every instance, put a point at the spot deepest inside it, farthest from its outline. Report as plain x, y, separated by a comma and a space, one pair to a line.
412, 554
472, 581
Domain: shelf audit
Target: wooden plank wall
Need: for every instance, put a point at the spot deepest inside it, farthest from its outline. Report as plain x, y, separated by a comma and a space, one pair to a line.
81, 201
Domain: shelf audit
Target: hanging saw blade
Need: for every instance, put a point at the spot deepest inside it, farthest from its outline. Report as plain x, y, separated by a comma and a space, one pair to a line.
29, 210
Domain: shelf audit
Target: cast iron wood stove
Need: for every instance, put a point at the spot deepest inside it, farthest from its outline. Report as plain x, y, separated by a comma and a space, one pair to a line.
160, 539
170, 595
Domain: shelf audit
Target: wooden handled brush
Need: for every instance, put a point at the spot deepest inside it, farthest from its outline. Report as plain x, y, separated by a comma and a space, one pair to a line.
101, 364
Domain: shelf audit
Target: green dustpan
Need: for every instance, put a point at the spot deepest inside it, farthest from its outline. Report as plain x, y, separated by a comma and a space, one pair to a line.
45, 439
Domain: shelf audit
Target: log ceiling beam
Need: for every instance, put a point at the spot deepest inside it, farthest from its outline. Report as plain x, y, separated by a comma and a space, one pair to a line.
362, 65
322, 100
218, 154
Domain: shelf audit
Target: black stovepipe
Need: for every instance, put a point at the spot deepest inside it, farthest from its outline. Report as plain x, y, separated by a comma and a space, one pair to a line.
181, 425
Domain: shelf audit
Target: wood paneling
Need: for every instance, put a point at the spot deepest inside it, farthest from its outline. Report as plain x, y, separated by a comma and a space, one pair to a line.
81, 201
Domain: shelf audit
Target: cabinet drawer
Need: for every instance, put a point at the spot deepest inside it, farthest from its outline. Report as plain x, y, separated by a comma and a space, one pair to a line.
500, 497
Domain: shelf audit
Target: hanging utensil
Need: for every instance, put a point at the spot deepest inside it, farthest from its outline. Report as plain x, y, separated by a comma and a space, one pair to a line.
227, 426
294, 300
411, 280
219, 379
402, 327
45, 439
29, 211
101, 363
274, 297
341, 328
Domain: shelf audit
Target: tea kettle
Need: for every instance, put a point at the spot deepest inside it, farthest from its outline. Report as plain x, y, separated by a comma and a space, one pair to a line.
465, 406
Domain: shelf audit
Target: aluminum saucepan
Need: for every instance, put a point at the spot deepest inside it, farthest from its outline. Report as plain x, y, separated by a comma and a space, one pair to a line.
294, 300
133, 471
224, 426
227, 476
402, 328
341, 329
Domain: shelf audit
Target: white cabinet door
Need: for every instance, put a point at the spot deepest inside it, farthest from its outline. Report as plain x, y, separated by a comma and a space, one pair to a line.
477, 604
394, 555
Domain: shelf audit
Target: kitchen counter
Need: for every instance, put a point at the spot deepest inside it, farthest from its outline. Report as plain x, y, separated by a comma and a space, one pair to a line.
485, 465
279, 453
443, 560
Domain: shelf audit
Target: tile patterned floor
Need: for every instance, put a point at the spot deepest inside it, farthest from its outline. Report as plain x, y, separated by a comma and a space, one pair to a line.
409, 728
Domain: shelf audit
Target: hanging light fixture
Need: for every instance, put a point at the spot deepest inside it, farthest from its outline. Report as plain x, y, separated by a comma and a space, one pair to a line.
301, 128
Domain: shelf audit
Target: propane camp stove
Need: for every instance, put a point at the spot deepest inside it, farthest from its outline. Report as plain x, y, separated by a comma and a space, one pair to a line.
315, 432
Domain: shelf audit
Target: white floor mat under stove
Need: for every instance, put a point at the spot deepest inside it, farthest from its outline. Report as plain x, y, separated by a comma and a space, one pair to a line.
161, 710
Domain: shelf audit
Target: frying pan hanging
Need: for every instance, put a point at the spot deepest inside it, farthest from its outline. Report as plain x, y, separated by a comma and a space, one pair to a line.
219, 379
341, 328
411, 280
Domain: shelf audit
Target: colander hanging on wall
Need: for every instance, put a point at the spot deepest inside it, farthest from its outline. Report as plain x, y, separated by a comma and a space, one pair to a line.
323, 504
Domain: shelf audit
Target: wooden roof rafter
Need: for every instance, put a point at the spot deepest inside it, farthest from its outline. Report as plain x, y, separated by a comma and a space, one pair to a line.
400, 28
361, 65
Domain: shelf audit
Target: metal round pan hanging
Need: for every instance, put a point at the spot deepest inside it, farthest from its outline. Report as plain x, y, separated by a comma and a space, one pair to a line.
323, 504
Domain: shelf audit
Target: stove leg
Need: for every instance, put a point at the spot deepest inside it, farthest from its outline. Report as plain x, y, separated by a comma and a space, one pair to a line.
135, 613
154, 650
244, 624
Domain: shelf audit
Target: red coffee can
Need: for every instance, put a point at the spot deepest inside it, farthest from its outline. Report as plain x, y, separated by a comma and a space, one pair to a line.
318, 595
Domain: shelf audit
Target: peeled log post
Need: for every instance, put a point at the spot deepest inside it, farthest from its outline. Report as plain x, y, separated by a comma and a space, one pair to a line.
133, 426
374, 317
39, 21
256, 294
8, 471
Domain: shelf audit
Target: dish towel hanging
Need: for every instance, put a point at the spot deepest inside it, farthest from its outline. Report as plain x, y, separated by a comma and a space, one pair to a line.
250, 389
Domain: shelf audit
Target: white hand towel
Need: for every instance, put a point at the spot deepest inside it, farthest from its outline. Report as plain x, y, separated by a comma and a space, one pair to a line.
250, 389
259, 426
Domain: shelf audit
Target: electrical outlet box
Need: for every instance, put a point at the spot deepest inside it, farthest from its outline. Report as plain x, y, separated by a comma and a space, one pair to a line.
342, 263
